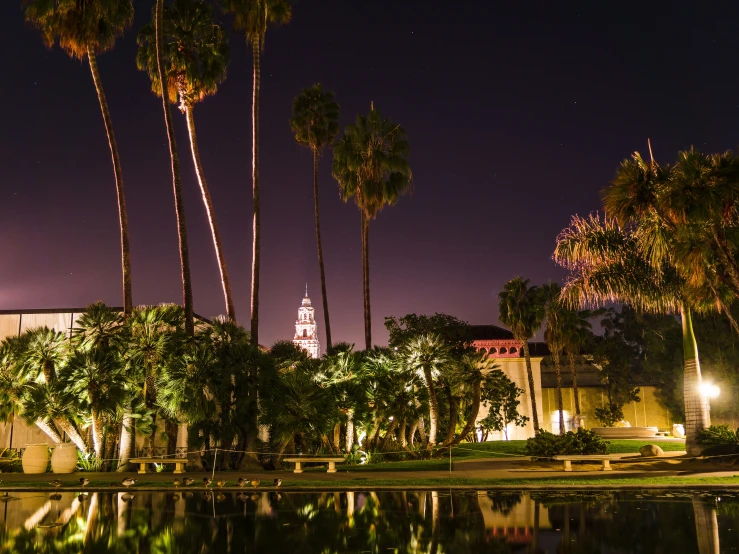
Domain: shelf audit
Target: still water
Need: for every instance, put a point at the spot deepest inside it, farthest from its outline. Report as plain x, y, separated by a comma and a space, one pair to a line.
374, 522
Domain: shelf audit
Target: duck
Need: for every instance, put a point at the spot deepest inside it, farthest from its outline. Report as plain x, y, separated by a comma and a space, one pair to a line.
241, 482
221, 482
277, 482
84, 481
188, 481
176, 482
56, 483
255, 483
207, 481
128, 481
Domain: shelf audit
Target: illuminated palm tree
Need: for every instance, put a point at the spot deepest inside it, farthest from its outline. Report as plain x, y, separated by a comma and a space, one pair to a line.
179, 206
196, 56
252, 17
521, 309
554, 335
315, 122
86, 30
426, 355
371, 166
607, 263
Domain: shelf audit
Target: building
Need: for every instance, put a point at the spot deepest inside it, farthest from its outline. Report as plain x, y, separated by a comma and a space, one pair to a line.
306, 330
499, 344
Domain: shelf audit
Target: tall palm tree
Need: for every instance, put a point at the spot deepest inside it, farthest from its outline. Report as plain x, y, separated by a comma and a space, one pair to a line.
426, 355
371, 166
554, 335
196, 57
315, 122
88, 29
607, 263
252, 17
174, 158
521, 309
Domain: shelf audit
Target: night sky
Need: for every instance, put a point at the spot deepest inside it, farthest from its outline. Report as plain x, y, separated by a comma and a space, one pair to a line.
517, 114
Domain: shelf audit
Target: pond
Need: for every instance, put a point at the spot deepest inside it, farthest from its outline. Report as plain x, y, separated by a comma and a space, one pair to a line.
477, 521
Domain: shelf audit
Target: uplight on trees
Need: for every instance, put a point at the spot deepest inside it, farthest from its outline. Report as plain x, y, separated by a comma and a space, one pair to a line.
710, 390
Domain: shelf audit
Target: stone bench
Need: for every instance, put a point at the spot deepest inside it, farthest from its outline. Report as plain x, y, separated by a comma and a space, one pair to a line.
299, 461
179, 463
604, 458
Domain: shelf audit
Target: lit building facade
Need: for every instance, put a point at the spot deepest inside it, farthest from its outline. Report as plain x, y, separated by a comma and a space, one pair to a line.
306, 330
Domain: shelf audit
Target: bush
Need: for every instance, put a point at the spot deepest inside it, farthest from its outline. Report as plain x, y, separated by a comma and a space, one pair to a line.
719, 440
546, 445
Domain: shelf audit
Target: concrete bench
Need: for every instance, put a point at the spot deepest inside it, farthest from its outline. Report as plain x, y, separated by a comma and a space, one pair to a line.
299, 461
604, 458
179, 463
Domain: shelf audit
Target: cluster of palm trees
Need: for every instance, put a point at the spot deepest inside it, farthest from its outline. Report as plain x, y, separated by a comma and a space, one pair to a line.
525, 308
668, 243
118, 376
186, 55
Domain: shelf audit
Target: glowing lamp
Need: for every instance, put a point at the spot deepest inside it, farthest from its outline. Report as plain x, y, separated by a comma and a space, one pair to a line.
709, 390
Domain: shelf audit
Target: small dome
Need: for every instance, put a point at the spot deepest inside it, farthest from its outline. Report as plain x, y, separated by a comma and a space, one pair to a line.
306, 301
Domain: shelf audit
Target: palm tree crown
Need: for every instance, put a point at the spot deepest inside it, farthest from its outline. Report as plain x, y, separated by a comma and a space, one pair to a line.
315, 119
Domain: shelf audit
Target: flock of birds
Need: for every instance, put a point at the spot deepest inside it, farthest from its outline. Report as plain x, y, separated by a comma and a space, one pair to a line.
187, 481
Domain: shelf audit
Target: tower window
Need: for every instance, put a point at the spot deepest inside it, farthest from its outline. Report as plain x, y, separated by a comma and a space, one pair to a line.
305, 333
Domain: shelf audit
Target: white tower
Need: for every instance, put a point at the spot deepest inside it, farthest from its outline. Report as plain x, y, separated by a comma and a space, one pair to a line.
306, 331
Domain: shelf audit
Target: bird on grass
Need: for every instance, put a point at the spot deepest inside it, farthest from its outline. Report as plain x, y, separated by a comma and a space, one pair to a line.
221, 482
207, 481
277, 482
84, 481
255, 483
188, 481
176, 482
128, 481
56, 483
241, 482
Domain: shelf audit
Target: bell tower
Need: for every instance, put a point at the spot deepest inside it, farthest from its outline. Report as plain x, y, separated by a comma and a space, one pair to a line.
306, 331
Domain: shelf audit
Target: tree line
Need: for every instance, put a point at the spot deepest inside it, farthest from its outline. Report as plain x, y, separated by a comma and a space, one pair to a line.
186, 53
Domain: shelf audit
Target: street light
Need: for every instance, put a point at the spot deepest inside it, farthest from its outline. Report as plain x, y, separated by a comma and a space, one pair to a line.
709, 390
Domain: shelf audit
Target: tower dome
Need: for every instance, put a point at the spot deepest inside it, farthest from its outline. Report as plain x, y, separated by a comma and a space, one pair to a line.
306, 330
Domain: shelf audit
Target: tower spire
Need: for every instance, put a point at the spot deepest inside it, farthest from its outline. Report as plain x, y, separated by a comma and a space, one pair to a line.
306, 290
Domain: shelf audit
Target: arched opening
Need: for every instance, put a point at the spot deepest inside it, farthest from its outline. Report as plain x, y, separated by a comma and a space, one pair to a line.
493, 351
513, 350
305, 333
503, 350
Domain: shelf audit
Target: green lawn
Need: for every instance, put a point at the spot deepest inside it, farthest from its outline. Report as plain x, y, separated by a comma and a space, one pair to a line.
499, 449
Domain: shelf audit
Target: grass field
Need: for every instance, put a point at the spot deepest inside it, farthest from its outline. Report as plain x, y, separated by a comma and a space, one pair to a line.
499, 449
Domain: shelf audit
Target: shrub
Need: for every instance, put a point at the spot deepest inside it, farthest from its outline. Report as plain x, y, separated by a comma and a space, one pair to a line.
546, 445
719, 440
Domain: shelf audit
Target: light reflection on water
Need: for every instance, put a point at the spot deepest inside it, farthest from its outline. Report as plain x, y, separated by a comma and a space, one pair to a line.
378, 522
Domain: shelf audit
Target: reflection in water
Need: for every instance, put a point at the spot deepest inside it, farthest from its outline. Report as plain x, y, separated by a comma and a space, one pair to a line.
378, 522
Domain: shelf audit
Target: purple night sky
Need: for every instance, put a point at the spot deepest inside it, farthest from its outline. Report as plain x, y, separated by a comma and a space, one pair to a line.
517, 114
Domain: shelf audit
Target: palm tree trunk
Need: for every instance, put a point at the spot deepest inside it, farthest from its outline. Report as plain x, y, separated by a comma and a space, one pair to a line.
697, 416
176, 183
215, 233
349, 430
320, 251
412, 433
532, 390
49, 430
453, 417
97, 434
118, 174
558, 373
337, 437
253, 410
365, 281
475, 409
73, 435
256, 227
433, 407
126, 442
573, 369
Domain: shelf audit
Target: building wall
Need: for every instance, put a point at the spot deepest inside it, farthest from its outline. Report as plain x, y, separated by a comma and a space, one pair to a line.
515, 370
645, 413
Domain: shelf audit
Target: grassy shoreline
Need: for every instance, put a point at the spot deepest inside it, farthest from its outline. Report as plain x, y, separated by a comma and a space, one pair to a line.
545, 483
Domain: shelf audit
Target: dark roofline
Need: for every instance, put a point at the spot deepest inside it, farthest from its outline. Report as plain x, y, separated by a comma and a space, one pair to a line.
73, 311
